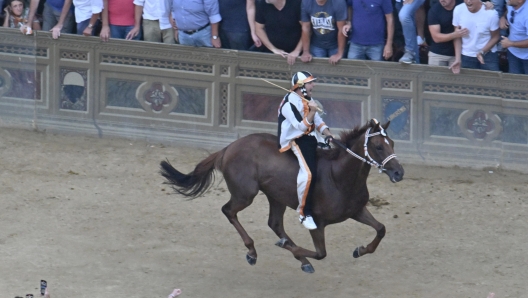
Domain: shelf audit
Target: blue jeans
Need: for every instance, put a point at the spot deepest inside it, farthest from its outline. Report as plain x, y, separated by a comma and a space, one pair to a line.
201, 38
320, 52
117, 31
84, 24
375, 52
491, 62
498, 5
406, 15
517, 65
50, 18
235, 40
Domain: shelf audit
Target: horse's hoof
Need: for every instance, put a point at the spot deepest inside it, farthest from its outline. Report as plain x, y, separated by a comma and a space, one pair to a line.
356, 253
282, 242
251, 260
308, 268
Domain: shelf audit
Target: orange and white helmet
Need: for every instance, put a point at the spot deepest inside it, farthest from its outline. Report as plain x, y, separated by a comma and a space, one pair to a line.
300, 78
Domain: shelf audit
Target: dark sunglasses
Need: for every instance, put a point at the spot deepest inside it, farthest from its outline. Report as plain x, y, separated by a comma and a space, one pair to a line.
512, 16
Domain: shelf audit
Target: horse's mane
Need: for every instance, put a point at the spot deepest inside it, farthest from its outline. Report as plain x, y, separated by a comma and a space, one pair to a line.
348, 137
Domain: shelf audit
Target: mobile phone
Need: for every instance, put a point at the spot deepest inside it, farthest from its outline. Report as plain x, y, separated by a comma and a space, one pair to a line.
43, 286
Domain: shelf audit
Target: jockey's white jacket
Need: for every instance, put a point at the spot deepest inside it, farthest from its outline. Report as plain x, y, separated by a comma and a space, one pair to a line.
291, 128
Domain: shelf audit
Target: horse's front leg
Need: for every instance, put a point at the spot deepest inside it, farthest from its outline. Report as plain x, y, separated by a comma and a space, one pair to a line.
365, 217
300, 253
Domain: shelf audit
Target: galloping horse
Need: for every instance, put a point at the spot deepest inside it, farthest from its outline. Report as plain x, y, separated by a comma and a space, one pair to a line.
253, 163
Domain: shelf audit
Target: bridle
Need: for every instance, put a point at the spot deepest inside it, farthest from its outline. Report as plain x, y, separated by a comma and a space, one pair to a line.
368, 159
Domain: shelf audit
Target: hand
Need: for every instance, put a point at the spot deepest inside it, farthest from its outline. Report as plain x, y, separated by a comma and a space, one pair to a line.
88, 31
335, 58
306, 57
346, 28
291, 57
313, 105
216, 43
328, 139
503, 23
480, 58
506, 42
7, 10
55, 31
173, 24
459, 32
105, 33
279, 52
256, 40
387, 51
488, 5
132, 33
455, 67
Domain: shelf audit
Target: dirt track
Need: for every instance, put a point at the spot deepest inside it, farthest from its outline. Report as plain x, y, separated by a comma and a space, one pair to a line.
92, 217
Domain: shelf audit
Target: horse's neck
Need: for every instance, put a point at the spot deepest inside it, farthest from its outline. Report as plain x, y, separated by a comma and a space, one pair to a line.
351, 169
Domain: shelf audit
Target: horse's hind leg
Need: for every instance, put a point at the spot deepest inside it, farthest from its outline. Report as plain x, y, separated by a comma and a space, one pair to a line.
230, 210
366, 217
276, 223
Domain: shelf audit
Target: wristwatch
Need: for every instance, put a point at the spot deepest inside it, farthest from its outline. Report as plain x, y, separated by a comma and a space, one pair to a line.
90, 26
215, 37
482, 52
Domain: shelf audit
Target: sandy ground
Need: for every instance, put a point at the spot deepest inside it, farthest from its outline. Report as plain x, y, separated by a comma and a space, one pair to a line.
92, 217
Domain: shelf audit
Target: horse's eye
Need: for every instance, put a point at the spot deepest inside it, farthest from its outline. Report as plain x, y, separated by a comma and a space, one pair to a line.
379, 148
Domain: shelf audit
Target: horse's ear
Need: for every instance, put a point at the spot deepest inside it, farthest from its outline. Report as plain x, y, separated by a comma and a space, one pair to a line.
386, 125
373, 123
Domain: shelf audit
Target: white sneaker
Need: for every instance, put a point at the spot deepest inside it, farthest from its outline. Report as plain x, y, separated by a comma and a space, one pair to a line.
308, 222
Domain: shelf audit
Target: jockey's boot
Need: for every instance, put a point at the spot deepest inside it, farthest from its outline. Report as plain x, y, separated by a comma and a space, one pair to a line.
308, 222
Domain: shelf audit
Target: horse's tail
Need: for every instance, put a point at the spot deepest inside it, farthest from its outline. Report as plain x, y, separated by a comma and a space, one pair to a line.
196, 182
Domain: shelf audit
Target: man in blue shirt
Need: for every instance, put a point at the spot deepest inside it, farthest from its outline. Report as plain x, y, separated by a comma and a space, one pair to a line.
517, 42
197, 22
372, 20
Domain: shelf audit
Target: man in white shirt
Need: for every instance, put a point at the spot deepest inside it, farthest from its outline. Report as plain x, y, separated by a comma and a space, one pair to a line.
156, 21
478, 48
87, 15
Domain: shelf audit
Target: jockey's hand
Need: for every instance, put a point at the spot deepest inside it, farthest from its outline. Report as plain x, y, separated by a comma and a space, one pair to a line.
328, 139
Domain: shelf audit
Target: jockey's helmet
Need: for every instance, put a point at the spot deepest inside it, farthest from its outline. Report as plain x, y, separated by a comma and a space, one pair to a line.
300, 78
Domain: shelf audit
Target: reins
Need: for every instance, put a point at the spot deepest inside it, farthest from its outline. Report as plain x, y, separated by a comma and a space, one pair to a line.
370, 160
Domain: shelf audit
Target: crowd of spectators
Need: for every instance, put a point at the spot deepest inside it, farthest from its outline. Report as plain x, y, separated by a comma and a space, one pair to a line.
451, 33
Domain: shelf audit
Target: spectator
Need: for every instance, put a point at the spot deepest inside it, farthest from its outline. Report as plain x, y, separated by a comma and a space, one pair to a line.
517, 41
322, 24
440, 19
197, 22
372, 20
406, 13
118, 19
16, 15
278, 27
57, 16
478, 48
234, 31
87, 16
156, 21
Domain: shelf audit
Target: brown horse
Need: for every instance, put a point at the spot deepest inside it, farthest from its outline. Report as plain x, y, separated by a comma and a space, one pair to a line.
253, 163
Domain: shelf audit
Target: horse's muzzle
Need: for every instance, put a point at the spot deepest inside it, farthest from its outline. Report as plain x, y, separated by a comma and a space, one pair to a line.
395, 175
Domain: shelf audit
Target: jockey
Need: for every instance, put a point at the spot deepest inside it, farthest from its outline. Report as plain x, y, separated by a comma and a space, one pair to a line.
298, 122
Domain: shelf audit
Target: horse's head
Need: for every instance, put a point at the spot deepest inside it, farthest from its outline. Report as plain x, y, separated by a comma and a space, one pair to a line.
380, 149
